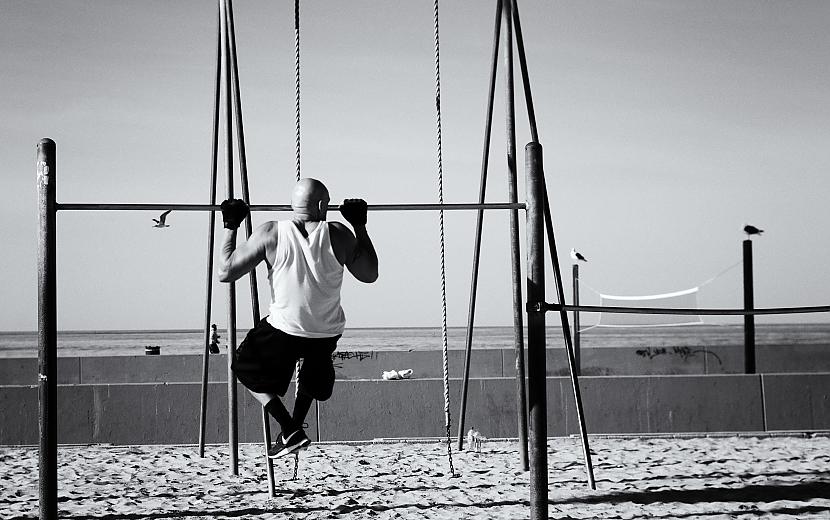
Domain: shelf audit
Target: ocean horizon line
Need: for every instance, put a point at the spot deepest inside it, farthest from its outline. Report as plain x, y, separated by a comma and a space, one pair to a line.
177, 331
400, 327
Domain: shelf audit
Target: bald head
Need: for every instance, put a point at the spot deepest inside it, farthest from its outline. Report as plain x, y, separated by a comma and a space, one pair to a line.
310, 200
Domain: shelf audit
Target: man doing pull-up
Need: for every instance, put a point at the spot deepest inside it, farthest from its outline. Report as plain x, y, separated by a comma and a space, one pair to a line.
305, 258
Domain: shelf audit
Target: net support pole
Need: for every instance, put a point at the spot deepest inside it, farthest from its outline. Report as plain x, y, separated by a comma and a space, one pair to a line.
576, 334
210, 240
482, 190
537, 378
515, 254
47, 315
233, 442
749, 304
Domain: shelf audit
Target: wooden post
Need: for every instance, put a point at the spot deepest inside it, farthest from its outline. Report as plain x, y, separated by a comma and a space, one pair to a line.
576, 334
233, 444
515, 253
47, 315
749, 304
485, 160
536, 343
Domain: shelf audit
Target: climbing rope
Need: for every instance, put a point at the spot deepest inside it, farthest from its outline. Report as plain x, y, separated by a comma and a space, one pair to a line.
297, 81
296, 465
297, 147
444, 342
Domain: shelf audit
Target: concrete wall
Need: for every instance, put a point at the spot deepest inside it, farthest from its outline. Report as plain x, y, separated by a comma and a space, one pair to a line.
133, 414
598, 361
149, 413
799, 401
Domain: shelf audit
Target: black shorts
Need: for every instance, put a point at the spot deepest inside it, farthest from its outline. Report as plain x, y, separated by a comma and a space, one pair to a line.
266, 358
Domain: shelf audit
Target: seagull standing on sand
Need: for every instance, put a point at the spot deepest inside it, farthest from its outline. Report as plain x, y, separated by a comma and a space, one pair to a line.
752, 230
160, 221
576, 256
474, 439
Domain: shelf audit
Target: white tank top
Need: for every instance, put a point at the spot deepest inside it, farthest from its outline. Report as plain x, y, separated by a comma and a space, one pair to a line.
305, 283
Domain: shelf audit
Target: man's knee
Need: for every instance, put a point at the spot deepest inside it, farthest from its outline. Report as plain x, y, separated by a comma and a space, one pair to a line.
326, 392
319, 390
317, 377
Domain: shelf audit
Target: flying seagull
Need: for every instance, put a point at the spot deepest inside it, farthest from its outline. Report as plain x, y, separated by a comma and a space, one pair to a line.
577, 256
160, 221
752, 230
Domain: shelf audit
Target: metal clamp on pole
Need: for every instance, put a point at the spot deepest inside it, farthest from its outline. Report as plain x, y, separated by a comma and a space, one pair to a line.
536, 307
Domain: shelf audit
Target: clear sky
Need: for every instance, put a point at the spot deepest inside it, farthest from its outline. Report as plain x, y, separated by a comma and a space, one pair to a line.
667, 126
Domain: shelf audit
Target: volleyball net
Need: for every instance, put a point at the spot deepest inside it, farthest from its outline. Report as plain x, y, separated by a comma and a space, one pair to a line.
680, 299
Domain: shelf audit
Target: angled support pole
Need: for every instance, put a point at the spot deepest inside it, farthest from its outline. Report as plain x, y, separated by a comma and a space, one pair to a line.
515, 253
233, 429
210, 240
563, 316
243, 171
482, 190
503, 17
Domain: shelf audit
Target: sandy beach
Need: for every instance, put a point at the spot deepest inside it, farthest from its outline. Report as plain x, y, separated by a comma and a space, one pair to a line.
645, 477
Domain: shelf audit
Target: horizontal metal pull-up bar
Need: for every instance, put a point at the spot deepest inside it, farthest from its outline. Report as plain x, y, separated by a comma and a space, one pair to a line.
278, 207
708, 312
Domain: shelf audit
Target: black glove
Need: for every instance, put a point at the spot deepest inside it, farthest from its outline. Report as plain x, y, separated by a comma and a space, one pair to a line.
234, 212
354, 211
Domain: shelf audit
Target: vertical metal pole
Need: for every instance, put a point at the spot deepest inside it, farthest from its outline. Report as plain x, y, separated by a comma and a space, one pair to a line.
749, 304
537, 379
210, 238
485, 158
233, 445
577, 356
518, 324
47, 315
243, 171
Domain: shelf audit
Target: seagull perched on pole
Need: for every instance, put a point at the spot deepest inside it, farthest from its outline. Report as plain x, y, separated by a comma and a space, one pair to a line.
576, 256
752, 230
160, 221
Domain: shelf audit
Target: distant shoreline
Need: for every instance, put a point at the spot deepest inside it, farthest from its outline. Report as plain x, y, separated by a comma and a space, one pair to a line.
404, 327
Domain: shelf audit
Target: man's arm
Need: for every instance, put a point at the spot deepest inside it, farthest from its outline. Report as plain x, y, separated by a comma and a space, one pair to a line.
358, 252
235, 263
363, 260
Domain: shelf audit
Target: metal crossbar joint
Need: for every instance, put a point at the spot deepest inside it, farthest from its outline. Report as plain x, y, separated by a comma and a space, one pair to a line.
557, 307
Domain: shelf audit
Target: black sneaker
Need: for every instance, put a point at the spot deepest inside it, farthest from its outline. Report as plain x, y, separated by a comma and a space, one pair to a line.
285, 445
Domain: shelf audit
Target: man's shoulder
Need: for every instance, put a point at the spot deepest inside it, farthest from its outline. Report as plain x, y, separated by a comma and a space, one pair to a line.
270, 226
341, 238
337, 227
267, 232
340, 231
